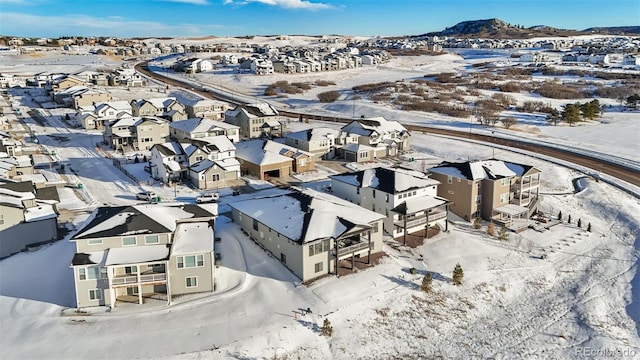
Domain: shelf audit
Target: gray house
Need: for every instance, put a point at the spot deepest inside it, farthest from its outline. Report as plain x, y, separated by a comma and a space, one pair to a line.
148, 251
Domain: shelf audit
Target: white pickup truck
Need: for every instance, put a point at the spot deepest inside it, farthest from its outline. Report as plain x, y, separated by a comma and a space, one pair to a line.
206, 198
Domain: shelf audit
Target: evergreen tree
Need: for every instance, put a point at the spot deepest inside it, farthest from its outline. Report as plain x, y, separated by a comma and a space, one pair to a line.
632, 101
589, 227
426, 282
326, 328
591, 109
579, 222
571, 113
491, 229
502, 235
560, 215
477, 223
458, 274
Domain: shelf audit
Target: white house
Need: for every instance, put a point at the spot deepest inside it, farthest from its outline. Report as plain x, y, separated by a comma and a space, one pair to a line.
407, 198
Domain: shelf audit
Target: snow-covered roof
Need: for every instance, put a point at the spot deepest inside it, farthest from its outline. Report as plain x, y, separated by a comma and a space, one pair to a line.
366, 126
388, 180
136, 254
138, 219
355, 147
221, 142
305, 215
192, 237
200, 125
314, 134
252, 151
512, 209
417, 204
14, 198
39, 212
481, 169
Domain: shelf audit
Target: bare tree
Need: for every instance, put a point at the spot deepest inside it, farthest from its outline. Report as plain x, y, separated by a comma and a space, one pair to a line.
509, 121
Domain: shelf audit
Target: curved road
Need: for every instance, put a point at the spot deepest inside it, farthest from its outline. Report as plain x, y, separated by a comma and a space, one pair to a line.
618, 170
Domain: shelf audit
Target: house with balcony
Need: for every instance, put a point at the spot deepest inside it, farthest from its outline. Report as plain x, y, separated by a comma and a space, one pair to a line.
495, 190
255, 120
407, 198
388, 138
136, 133
311, 231
147, 252
197, 128
93, 117
25, 220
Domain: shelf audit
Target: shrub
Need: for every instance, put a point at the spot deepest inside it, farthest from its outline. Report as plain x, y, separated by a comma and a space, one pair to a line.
503, 235
329, 96
426, 282
558, 91
508, 122
477, 223
504, 99
303, 86
324, 83
458, 274
510, 86
326, 329
491, 229
413, 271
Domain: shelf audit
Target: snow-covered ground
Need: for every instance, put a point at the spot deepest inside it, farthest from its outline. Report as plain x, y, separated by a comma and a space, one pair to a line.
584, 295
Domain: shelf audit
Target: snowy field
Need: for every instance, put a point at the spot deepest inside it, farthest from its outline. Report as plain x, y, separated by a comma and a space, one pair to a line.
584, 295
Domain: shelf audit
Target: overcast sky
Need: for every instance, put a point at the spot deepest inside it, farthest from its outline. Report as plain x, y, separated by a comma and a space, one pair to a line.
187, 18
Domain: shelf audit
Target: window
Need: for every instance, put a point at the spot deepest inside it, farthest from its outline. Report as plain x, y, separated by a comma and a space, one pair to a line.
504, 198
318, 267
1, 219
506, 182
479, 184
130, 269
255, 224
386, 197
215, 177
91, 273
414, 193
478, 199
283, 258
320, 247
375, 227
190, 261
374, 194
192, 281
151, 239
95, 294
358, 191
129, 241
94, 242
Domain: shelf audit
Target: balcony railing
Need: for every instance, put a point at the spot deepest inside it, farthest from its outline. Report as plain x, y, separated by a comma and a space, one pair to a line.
133, 279
352, 248
434, 216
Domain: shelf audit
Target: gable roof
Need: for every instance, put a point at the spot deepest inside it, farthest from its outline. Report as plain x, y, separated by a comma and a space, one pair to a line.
387, 180
482, 169
137, 219
307, 215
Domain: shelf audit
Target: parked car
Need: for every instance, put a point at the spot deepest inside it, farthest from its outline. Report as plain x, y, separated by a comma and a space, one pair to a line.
206, 198
147, 195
